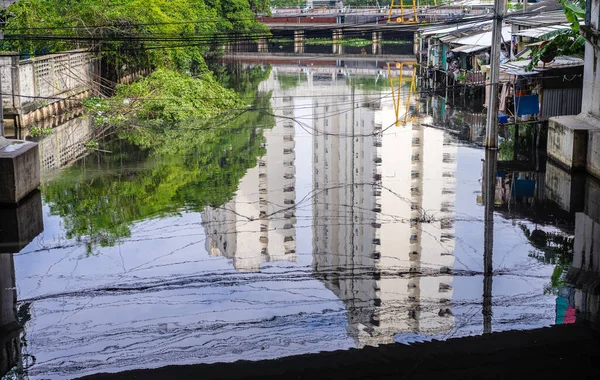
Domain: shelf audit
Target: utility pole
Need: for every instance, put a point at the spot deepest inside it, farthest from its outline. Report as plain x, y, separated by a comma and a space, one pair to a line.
491, 130
1, 108
1, 99
489, 199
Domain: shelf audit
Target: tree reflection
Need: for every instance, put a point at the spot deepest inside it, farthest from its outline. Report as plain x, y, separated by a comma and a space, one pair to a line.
192, 165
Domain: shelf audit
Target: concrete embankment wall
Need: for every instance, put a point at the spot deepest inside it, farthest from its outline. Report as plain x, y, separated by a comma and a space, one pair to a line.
38, 87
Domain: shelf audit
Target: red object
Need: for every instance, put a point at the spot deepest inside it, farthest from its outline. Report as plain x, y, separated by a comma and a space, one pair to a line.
570, 316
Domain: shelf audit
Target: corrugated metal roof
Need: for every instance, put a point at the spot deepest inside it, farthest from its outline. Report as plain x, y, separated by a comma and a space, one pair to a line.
545, 18
541, 31
518, 67
455, 29
469, 48
481, 39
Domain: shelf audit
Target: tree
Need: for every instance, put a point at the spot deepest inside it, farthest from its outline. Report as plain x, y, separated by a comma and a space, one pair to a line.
562, 42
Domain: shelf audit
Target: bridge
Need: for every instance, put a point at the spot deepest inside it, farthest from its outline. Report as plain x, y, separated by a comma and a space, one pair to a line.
391, 16
397, 22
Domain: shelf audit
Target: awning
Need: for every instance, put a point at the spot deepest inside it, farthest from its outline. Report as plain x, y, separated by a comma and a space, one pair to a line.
541, 31
466, 49
482, 39
437, 30
519, 67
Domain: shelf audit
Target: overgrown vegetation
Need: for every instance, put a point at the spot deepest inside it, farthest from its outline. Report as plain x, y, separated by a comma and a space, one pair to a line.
163, 162
551, 248
562, 42
173, 34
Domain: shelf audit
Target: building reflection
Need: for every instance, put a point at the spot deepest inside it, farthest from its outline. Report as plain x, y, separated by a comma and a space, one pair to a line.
583, 277
382, 239
258, 224
18, 227
529, 186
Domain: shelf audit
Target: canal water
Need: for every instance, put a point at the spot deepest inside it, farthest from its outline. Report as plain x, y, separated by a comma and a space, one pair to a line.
318, 221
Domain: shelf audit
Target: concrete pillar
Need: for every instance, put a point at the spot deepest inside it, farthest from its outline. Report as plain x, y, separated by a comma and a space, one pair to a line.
19, 170
338, 34
415, 43
15, 77
377, 49
20, 225
10, 329
299, 41
263, 47
376, 36
591, 71
337, 37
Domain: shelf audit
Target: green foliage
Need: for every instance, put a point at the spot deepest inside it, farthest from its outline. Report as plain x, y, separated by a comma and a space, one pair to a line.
551, 248
562, 42
174, 34
289, 81
369, 83
169, 95
40, 131
159, 167
514, 6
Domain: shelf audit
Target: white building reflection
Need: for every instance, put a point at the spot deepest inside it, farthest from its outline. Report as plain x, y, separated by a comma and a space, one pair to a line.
258, 224
382, 240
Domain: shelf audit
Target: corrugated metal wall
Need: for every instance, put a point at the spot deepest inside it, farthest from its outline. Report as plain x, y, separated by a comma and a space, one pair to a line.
561, 101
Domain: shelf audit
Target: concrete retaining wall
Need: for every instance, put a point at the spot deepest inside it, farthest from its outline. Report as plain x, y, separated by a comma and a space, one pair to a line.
591, 72
35, 83
564, 189
593, 150
567, 142
66, 144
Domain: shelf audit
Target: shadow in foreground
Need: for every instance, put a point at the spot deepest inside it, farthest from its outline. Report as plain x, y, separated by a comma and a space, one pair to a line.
544, 353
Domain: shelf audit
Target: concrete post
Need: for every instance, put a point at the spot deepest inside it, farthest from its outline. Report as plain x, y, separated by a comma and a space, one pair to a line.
9, 326
491, 132
19, 170
19, 226
377, 49
263, 47
15, 77
337, 37
299, 41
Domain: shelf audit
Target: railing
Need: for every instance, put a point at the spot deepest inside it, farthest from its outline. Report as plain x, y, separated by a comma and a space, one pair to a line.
477, 77
44, 80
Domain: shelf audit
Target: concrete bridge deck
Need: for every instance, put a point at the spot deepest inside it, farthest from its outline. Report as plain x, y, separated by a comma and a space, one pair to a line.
351, 27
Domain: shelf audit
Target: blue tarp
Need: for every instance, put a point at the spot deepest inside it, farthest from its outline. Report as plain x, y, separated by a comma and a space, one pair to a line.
527, 105
524, 188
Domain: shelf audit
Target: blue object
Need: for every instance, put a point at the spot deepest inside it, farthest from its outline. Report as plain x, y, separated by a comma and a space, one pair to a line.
524, 188
502, 118
527, 105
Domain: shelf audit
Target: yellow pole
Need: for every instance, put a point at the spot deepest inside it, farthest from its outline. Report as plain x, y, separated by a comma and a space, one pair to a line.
393, 93
413, 86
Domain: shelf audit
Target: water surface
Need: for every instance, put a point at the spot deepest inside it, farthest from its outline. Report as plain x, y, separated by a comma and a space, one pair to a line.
315, 224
